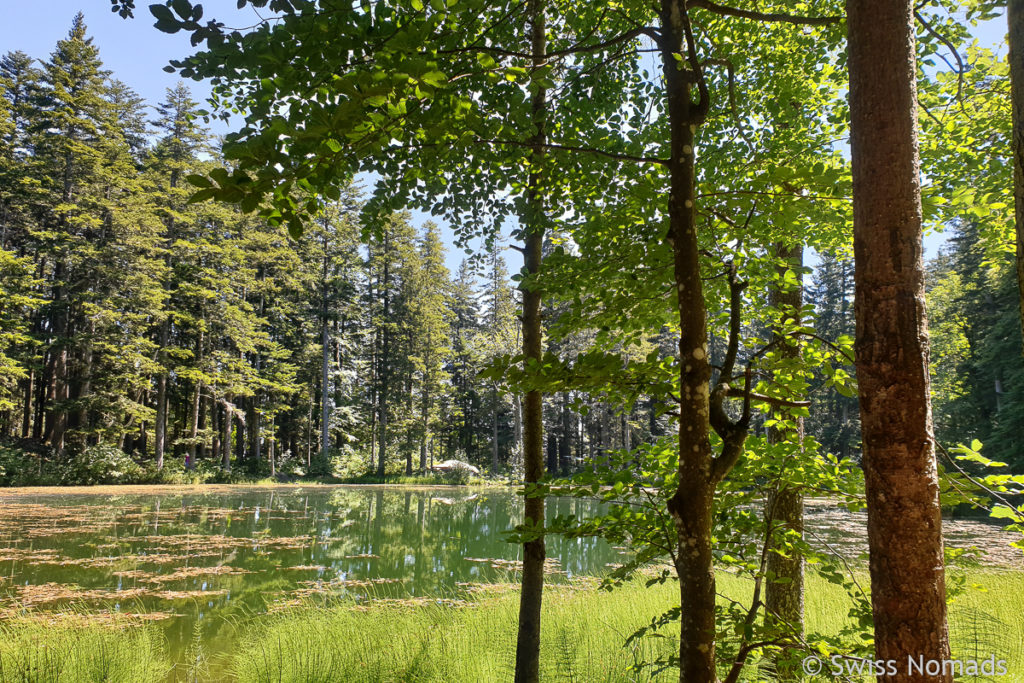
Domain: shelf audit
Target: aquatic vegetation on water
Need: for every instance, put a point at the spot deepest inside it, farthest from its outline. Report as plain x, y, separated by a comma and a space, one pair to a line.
204, 564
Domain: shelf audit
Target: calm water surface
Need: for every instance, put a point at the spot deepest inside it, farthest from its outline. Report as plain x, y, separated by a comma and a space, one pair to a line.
203, 561
199, 563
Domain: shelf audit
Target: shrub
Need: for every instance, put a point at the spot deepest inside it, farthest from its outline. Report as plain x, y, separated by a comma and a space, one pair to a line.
20, 467
458, 475
102, 464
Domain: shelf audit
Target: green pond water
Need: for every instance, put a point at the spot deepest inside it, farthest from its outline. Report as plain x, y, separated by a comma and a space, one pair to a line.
200, 563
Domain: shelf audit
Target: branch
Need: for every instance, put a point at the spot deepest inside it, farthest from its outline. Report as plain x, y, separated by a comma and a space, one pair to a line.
733, 434
732, 96
956, 55
724, 11
998, 497
704, 104
585, 150
574, 49
736, 288
770, 400
755, 604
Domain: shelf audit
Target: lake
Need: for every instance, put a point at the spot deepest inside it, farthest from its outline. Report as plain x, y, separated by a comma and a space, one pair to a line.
199, 562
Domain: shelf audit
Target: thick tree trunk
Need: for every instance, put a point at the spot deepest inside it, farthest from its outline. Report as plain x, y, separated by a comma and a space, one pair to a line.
528, 640
1015, 19
784, 509
908, 591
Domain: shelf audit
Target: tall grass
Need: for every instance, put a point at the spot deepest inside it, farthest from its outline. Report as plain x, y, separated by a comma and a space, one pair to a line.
583, 638
583, 635
32, 652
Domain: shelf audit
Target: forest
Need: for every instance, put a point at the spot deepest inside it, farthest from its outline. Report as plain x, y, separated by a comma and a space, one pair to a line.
724, 330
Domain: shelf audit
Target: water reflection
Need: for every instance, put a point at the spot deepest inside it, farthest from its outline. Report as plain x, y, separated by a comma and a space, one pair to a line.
205, 560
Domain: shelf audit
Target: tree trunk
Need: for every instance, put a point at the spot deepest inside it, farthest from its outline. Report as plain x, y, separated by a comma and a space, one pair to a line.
691, 504
495, 463
240, 440
85, 383
908, 590
784, 509
253, 428
271, 441
517, 429
26, 416
226, 441
193, 427
565, 442
1015, 19
528, 640
325, 405
160, 426
385, 363
425, 418
60, 396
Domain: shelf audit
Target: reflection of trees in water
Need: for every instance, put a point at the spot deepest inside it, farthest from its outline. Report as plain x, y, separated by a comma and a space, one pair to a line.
418, 538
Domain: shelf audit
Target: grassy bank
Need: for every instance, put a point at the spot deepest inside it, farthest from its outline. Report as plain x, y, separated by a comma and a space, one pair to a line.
82, 651
471, 639
583, 635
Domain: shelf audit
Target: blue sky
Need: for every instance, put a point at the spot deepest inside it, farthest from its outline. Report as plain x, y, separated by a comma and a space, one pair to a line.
136, 53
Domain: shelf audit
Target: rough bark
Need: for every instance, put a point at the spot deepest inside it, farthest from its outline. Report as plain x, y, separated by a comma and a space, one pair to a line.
528, 640
784, 509
1015, 19
908, 591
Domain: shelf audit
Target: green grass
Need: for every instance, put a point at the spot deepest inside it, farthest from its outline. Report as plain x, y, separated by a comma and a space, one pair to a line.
584, 631
582, 640
32, 652
583, 634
